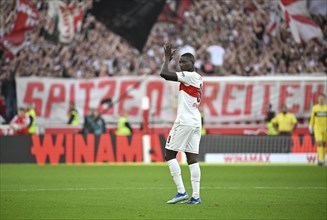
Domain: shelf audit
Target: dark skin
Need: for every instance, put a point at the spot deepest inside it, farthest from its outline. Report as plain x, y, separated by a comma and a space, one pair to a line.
186, 64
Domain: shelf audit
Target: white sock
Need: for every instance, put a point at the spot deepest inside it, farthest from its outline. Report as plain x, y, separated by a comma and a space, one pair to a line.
195, 179
175, 171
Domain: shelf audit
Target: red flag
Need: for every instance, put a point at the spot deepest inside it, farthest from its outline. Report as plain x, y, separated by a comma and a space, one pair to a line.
27, 19
173, 11
63, 20
303, 28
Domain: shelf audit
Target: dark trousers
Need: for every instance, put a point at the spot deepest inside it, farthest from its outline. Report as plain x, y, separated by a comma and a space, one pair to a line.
11, 108
285, 133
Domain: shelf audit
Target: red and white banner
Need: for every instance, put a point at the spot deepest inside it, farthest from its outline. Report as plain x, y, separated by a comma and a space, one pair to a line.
27, 19
63, 20
224, 99
302, 27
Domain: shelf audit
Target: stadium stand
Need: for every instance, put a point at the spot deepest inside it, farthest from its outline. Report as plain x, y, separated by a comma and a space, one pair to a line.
229, 38
237, 28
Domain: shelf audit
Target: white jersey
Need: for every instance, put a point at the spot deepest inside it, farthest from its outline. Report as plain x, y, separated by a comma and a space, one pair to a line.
189, 97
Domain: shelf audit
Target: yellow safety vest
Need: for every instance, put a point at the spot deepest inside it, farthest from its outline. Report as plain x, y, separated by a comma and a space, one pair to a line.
74, 113
32, 128
270, 129
121, 128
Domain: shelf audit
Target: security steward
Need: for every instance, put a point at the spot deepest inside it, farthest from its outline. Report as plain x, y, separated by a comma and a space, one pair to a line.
123, 126
73, 115
32, 116
285, 122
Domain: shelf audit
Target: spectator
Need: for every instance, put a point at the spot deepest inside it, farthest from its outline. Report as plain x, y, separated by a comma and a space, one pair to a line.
20, 122
73, 115
32, 119
216, 52
285, 122
206, 66
9, 92
94, 123
233, 32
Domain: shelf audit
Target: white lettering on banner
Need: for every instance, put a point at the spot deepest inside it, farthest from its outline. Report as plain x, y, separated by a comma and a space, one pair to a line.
301, 158
224, 99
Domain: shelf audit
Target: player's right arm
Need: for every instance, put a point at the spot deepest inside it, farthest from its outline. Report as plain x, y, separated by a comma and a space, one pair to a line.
165, 73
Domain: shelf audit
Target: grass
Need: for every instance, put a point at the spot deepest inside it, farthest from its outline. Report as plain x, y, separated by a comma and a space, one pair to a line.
141, 191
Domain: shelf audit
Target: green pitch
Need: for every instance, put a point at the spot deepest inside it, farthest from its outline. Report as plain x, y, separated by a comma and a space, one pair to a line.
141, 191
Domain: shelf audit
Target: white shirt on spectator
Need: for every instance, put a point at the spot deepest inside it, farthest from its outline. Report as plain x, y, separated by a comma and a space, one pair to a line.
216, 55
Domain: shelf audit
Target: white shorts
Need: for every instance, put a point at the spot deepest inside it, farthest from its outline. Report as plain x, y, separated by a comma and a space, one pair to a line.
184, 138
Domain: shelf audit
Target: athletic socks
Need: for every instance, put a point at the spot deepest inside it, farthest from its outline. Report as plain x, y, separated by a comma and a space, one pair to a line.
195, 171
175, 171
321, 153
195, 179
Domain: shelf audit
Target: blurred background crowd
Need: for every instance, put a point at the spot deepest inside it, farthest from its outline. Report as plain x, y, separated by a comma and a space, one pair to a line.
227, 37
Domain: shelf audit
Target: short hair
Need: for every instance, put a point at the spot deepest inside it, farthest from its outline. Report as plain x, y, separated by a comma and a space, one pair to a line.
322, 94
189, 56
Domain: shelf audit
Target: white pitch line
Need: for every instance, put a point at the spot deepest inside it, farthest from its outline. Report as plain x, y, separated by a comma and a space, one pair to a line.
165, 188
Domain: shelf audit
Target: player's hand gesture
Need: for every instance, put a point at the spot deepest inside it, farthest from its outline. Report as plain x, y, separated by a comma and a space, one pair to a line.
169, 52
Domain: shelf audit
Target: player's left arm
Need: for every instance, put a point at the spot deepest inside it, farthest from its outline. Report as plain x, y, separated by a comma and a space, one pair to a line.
169, 54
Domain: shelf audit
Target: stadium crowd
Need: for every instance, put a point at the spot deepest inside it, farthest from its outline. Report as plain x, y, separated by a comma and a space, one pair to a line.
227, 37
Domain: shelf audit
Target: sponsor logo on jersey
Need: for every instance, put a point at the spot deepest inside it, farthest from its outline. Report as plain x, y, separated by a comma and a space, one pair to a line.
321, 114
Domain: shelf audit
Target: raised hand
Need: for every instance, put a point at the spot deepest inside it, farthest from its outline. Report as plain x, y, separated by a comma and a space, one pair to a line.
169, 52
